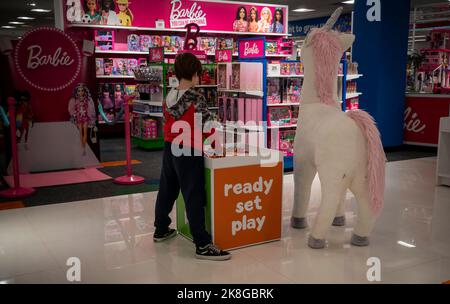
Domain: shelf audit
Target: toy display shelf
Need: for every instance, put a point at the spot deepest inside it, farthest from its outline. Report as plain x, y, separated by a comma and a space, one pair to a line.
153, 143
284, 104
349, 77
251, 93
124, 52
148, 102
352, 95
152, 114
169, 30
282, 127
114, 77
285, 76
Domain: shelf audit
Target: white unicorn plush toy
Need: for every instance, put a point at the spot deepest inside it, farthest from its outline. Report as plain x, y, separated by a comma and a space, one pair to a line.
345, 149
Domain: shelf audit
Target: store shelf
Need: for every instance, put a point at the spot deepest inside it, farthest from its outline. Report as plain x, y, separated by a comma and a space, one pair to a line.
253, 93
282, 127
105, 123
170, 30
285, 76
114, 52
284, 104
148, 102
353, 76
213, 108
149, 113
352, 95
114, 77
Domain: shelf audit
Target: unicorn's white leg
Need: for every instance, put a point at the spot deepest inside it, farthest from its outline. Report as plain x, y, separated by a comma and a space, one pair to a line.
366, 217
334, 185
339, 220
304, 173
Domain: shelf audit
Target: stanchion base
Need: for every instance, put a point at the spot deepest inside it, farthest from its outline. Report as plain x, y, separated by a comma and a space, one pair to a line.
17, 192
129, 180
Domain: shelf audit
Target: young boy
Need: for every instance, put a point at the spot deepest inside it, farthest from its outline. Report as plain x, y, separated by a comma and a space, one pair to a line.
185, 172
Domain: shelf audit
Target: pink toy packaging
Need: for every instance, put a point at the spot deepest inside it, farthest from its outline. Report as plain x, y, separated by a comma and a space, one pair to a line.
99, 66
248, 110
222, 109
279, 116
286, 142
236, 76
133, 42
273, 91
108, 66
259, 109
145, 42
241, 109
254, 103
222, 76
156, 41
104, 40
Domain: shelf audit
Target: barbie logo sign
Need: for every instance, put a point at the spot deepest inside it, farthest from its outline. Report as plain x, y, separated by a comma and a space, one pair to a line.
412, 122
180, 17
223, 55
47, 59
36, 59
252, 48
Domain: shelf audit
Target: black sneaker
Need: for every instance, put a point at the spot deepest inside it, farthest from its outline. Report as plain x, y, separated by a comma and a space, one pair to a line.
212, 252
162, 237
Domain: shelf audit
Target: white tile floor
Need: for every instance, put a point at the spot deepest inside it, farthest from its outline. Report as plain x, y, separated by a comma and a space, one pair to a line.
113, 239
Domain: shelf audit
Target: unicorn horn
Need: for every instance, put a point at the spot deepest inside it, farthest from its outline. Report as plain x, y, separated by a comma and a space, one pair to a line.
333, 19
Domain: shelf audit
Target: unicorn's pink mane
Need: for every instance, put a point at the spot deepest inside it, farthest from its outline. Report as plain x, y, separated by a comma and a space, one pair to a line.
376, 159
327, 54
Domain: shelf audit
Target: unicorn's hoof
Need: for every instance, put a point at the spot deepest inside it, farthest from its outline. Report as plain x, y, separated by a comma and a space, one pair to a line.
360, 241
339, 221
315, 243
299, 222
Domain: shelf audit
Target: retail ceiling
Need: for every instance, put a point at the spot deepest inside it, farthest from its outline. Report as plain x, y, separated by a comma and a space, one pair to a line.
11, 10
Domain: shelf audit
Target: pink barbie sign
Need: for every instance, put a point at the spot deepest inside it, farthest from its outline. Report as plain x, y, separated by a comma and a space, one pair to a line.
211, 15
224, 55
156, 55
252, 48
48, 64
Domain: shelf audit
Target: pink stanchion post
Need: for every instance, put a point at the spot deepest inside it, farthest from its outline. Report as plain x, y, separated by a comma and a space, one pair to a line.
129, 178
16, 191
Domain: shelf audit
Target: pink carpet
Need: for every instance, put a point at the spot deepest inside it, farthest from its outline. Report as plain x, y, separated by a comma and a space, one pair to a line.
37, 180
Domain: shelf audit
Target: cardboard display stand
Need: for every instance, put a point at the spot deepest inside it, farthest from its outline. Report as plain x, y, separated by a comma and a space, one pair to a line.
244, 200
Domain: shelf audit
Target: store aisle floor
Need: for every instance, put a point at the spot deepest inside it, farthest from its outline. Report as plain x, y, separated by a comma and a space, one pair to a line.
112, 237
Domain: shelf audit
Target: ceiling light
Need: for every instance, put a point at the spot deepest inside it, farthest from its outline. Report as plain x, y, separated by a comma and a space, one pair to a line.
349, 2
31, 4
406, 244
8, 27
16, 22
26, 18
40, 10
303, 10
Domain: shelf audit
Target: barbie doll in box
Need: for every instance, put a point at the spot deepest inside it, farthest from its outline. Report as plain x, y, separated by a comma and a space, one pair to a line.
119, 100
24, 116
82, 110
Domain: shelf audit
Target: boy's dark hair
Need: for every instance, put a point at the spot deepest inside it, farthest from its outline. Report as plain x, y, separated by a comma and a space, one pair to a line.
186, 66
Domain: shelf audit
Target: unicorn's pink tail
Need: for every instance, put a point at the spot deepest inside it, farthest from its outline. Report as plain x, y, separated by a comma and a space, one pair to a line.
376, 157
